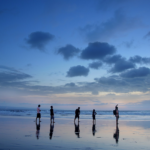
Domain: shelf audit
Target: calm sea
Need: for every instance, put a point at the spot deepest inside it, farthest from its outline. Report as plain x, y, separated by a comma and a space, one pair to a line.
84, 114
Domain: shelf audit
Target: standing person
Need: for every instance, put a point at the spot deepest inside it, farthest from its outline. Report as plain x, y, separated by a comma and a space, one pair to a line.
117, 113
38, 113
52, 114
93, 115
77, 113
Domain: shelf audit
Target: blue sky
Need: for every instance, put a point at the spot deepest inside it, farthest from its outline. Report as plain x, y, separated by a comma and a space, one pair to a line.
70, 53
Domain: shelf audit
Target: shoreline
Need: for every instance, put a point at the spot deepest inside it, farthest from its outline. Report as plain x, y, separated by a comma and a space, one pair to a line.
63, 118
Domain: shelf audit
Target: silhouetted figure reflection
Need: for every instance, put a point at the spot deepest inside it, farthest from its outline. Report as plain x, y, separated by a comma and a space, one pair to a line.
51, 130
77, 129
37, 130
116, 134
94, 128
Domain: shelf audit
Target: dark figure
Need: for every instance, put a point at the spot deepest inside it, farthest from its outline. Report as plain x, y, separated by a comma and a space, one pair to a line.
94, 129
38, 113
117, 113
93, 115
51, 130
52, 114
37, 130
116, 134
77, 130
77, 114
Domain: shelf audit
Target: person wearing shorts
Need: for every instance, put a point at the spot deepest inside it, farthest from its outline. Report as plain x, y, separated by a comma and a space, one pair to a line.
52, 114
38, 113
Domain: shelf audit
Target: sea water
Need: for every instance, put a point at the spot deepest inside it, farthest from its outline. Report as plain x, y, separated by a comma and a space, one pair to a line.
84, 114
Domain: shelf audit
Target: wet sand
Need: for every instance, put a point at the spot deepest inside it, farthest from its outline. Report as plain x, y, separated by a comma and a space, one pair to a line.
23, 133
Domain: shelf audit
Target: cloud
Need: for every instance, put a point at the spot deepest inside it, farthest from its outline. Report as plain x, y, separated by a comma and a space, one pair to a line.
143, 104
68, 51
140, 72
97, 50
105, 5
29, 65
122, 65
122, 85
147, 35
39, 39
14, 79
21, 83
115, 84
95, 65
77, 71
70, 84
111, 81
115, 26
139, 59
129, 44
113, 59
7, 68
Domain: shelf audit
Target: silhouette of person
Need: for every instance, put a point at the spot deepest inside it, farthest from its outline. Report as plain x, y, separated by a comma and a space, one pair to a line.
94, 128
51, 130
77, 129
77, 114
117, 113
93, 115
38, 113
37, 130
116, 134
52, 114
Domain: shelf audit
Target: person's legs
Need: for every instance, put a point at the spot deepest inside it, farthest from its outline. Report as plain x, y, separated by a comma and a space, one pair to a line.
53, 119
39, 117
75, 118
116, 119
93, 119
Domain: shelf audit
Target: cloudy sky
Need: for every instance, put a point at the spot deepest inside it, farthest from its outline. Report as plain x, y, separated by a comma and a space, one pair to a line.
70, 53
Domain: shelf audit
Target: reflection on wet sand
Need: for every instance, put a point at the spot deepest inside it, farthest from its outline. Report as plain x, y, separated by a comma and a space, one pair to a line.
77, 130
37, 130
51, 130
134, 134
94, 128
116, 134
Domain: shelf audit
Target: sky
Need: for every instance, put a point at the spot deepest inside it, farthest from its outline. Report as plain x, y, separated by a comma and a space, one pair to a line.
69, 53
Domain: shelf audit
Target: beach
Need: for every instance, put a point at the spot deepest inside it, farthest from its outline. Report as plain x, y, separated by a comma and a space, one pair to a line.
18, 132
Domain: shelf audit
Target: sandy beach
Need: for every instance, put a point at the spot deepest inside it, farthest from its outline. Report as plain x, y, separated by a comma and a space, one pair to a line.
23, 133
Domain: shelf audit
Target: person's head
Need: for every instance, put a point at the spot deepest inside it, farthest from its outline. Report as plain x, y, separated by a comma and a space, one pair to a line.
51, 106
78, 107
39, 105
93, 109
116, 108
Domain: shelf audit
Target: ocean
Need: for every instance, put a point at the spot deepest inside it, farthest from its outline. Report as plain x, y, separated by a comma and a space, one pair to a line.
84, 114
